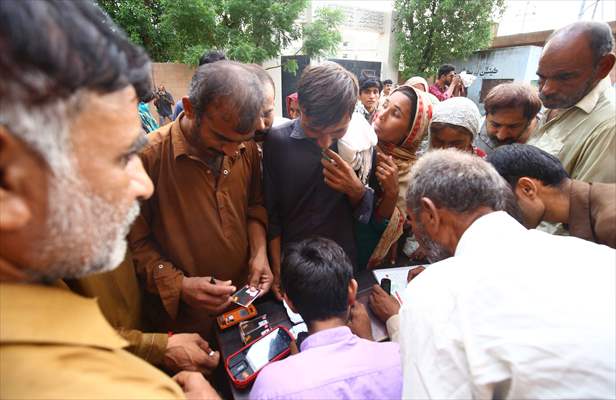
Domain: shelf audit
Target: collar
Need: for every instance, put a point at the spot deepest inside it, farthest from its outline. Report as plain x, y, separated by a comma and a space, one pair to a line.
298, 131
482, 231
327, 337
579, 210
35, 313
588, 103
178, 141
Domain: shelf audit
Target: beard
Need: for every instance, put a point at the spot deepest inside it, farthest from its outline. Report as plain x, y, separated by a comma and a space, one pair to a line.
84, 233
556, 101
434, 251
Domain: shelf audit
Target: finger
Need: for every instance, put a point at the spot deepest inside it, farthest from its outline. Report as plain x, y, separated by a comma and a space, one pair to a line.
218, 290
336, 157
332, 176
180, 378
204, 345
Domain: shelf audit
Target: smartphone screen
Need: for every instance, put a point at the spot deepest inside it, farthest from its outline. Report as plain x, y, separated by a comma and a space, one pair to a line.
267, 348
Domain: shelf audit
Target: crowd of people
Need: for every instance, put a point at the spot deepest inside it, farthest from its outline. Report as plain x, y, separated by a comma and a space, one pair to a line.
162, 229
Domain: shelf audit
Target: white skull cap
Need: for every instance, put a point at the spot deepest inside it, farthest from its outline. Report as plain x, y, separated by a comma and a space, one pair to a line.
458, 111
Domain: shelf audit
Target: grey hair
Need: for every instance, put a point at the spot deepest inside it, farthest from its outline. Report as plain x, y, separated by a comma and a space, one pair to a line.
601, 40
460, 182
45, 128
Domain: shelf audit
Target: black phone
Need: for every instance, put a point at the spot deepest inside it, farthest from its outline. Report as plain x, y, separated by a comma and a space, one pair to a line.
386, 285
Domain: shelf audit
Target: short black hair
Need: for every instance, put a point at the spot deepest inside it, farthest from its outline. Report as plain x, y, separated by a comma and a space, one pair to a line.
211, 57
315, 275
388, 82
230, 82
515, 161
326, 94
51, 49
368, 83
444, 70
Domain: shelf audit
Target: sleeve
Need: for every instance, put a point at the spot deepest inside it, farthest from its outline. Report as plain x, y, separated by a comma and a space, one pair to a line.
393, 328
364, 209
256, 206
596, 162
156, 272
437, 93
150, 347
270, 192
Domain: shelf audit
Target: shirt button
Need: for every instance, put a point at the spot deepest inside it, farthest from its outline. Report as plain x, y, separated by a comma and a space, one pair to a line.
226, 172
160, 266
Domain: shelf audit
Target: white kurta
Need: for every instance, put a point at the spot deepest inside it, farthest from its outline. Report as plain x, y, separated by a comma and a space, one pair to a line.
516, 313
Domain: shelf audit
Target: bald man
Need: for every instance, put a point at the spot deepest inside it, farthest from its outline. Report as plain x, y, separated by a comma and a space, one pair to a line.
579, 127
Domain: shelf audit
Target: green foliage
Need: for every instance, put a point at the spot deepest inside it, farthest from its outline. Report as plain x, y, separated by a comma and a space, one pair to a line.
432, 32
247, 30
322, 37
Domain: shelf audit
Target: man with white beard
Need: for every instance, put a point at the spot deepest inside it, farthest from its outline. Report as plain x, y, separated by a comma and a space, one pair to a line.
509, 314
70, 182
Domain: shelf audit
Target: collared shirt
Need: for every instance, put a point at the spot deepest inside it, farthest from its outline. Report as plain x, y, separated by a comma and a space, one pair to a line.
583, 137
334, 364
299, 202
515, 314
120, 300
361, 110
193, 225
57, 345
592, 212
436, 91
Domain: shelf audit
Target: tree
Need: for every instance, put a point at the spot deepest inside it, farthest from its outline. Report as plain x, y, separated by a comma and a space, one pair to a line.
431, 32
247, 30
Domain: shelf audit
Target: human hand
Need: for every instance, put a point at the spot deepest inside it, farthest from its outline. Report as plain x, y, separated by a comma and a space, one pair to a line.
340, 176
199, 292
359, 321
188, 351
260, 275
383, 305
276, 287
414, 272
195, 387
387, 175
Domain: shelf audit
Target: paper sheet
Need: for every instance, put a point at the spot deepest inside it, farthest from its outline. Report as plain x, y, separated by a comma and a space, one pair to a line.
397, 277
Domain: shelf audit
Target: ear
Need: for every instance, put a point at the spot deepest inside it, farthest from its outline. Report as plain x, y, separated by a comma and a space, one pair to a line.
352, 291
605, 64
189, 111
15, 212
289, 303
526, 188
429, 216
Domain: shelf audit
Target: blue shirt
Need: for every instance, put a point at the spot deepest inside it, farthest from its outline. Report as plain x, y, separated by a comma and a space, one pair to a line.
334, 364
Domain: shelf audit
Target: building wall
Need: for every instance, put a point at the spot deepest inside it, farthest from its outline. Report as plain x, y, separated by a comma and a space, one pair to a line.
175, 77
513, 63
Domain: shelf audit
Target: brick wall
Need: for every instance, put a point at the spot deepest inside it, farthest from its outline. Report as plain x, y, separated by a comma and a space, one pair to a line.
175, 77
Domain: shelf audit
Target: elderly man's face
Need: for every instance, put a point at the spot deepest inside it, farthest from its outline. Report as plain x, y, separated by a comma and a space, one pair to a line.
433, 250
266, 119
508, 125
82, 213
566, 72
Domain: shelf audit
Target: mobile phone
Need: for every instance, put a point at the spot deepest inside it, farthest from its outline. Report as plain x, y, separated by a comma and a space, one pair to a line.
244, 365
386, 285
235, 316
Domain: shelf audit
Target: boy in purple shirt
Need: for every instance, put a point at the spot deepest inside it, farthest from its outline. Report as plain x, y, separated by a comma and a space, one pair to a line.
317, 279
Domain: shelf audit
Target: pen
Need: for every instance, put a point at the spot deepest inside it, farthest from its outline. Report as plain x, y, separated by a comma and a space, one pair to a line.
212, 280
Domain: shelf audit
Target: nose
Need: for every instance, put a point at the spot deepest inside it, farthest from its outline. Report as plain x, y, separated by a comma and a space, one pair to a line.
548, 88
141, 186
324, 141
261, 124
503, 134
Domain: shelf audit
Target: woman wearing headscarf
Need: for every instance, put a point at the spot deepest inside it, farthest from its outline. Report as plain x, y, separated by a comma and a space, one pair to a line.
400, 128
420, 83
292, 106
